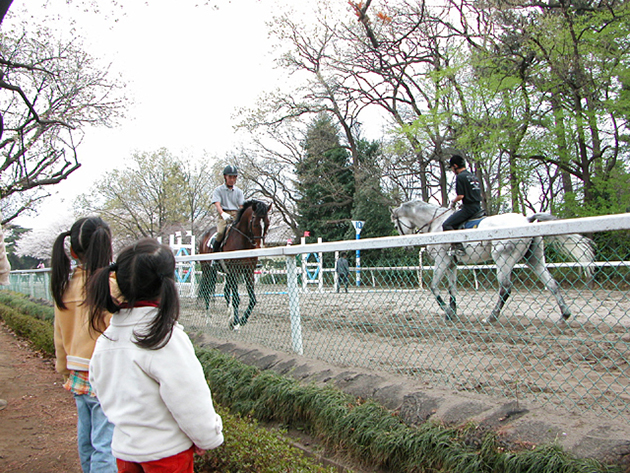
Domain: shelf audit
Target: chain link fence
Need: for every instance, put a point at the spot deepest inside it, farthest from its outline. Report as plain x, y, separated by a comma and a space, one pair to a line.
389, 319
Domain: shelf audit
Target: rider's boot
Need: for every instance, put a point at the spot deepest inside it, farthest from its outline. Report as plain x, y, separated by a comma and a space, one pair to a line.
216, 247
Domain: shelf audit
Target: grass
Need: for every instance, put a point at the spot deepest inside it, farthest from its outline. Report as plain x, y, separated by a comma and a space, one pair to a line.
362, 429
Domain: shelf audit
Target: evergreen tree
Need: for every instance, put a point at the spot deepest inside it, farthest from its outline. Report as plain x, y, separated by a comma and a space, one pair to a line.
325, 183
370, 203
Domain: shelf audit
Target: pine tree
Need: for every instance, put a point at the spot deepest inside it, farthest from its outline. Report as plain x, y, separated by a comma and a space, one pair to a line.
325, 183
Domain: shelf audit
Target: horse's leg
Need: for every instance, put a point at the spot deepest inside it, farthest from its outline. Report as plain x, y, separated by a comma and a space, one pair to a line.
236, 300
227, 293
535, 259
505, 255
444, 264
249, 284
212, 284
202, 291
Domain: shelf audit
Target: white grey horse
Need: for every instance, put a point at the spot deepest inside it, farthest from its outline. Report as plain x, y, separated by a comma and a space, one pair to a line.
420, 217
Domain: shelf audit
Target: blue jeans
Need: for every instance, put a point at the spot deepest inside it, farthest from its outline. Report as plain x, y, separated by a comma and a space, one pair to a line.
94, 434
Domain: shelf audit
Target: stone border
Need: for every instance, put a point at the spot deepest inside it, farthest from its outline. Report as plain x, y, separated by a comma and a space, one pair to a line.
518, 424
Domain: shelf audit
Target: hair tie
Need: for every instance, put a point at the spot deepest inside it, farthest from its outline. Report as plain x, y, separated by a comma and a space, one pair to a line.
113, 267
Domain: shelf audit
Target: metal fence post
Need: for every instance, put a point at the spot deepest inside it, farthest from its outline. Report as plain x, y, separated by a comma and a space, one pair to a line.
294, 306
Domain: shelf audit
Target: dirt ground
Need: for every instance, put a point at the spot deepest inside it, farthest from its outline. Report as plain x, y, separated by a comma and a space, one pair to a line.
583, 365
38, 426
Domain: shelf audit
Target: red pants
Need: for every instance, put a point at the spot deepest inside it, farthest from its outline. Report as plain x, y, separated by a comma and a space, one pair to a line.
179, 463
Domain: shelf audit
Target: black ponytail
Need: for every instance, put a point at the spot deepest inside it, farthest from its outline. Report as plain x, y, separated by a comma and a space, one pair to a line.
91, 243
161, 328
146, 272
99, 298
59, 270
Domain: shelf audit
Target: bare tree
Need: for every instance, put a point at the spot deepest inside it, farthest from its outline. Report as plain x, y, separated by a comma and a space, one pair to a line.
50, 91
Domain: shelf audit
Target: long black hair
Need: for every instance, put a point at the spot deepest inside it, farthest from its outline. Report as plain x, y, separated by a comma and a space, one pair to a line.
91, 243
145, 272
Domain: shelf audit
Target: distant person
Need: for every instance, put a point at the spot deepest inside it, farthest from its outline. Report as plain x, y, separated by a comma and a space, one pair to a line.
228, 199
343, 271
144, 368
91, 247
468, 192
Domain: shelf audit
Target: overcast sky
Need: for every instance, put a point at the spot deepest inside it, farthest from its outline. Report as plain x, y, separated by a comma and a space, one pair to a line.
187, 68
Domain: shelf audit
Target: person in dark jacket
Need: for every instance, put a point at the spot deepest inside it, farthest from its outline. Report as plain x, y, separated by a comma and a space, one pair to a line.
343, 271
468, 192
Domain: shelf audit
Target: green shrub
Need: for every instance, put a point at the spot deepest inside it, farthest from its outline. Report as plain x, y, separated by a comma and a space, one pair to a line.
41, 310
250, 448
39, 332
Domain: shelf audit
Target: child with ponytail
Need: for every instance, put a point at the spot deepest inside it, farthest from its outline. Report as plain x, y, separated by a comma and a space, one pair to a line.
91, 247
144, 369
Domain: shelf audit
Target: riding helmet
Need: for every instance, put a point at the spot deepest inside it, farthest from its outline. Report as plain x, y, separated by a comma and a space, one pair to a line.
230, 171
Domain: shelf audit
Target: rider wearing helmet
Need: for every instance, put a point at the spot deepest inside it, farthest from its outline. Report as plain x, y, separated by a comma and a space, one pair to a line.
468, 191
227, 198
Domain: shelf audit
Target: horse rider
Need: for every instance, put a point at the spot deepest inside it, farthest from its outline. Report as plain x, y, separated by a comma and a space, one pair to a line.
227, 198
468, 192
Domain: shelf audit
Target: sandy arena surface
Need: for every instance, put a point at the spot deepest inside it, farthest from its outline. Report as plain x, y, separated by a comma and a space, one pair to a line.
580, 365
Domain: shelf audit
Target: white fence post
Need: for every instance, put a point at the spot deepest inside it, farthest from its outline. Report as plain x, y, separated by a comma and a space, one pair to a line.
294, 306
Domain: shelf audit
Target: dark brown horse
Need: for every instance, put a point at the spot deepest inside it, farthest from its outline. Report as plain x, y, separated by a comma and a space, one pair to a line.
246, 233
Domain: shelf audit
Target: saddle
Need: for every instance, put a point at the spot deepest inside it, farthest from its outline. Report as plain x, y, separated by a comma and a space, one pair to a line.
473, 221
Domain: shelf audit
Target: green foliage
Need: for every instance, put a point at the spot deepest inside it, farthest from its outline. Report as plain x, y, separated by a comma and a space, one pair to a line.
21, 303
11, 237
39, 332
251, 448
326, 183
371, 205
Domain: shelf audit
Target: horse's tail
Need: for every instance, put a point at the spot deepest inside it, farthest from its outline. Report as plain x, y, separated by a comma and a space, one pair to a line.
574, 245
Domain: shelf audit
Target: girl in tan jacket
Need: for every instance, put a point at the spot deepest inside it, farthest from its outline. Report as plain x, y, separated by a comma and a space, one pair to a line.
91, 248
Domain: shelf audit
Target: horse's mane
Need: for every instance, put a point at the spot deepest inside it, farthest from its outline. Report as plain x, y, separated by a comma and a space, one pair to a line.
258, 207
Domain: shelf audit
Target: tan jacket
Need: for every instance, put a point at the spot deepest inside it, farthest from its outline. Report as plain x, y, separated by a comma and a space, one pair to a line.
74, 338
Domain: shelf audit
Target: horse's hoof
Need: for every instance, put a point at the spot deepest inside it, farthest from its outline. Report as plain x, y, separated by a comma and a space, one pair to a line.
489, 320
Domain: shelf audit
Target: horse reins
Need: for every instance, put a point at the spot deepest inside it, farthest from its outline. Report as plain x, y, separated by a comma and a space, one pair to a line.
252, 239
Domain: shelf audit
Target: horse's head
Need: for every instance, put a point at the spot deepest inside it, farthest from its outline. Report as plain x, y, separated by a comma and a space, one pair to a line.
416, 216
252, 222
401, 221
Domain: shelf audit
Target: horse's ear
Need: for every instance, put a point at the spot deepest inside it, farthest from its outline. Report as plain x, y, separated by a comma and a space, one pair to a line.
269, 208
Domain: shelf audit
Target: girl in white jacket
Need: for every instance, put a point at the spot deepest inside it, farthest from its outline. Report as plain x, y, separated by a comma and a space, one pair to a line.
144, 369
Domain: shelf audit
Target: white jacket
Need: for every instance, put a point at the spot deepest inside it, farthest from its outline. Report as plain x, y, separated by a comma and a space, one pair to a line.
158, 400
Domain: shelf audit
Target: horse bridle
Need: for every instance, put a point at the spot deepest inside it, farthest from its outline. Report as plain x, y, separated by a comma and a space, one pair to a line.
252, 239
